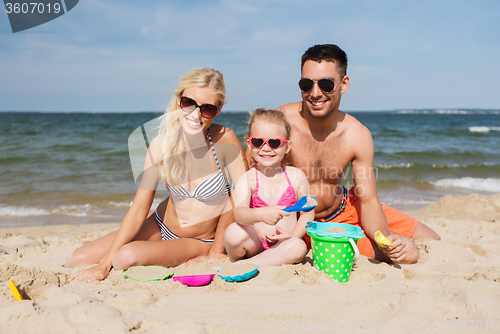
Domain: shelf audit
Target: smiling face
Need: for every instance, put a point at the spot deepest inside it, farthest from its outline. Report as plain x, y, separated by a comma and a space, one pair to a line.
193, 122
318, 103
266, 156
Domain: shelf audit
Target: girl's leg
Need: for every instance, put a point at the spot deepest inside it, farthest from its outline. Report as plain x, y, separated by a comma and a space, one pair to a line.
93, 252
287, 251
242, 241
166, 253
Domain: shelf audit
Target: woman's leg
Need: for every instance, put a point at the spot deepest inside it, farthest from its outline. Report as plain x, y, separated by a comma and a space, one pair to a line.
287, 251
242, 241
166, 253
93, 252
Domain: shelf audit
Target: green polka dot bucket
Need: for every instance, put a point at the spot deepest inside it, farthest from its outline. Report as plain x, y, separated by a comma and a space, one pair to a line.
334, 253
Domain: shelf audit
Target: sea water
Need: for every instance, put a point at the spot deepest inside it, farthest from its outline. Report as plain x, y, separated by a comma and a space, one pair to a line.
75, 167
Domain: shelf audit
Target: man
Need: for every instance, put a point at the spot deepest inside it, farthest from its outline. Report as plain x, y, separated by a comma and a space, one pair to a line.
325, 140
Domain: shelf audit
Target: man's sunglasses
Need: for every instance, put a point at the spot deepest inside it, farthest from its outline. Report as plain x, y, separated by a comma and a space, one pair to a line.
273, 143
190, 105
326, 85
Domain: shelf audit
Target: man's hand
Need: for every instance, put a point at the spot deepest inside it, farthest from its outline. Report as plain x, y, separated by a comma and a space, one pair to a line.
402, 251
397, 252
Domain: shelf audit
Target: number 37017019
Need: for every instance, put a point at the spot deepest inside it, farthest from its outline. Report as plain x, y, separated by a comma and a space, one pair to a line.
32, 7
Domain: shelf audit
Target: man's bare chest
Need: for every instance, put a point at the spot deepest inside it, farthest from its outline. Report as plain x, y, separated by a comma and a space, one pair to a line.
323, 160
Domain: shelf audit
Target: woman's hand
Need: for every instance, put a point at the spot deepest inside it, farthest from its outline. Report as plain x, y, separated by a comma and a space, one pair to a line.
272, 214
279, 235
96, 273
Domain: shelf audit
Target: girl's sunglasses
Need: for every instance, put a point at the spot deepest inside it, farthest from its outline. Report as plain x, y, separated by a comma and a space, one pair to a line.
273, 143
326, 85
190, 105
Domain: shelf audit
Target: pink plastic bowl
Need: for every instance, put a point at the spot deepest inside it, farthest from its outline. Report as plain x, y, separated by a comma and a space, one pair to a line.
194, 280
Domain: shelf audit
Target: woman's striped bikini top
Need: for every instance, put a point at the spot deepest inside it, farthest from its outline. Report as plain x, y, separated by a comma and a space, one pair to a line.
209, 190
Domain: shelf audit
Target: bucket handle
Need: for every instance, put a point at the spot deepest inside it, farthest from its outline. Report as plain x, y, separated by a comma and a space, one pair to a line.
356, 250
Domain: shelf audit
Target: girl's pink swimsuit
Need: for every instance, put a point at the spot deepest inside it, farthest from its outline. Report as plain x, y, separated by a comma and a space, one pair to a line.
288, 198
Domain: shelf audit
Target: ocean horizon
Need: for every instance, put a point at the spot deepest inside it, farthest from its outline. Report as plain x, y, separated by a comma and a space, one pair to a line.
74, 167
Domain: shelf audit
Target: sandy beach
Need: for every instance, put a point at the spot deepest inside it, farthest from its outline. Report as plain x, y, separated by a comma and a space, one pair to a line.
455, 286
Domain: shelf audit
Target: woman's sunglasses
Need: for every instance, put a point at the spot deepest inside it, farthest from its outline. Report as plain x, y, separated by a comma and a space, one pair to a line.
190, 105
326, 85
273, 143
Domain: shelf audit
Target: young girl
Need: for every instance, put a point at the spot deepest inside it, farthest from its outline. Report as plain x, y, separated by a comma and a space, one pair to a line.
264, 234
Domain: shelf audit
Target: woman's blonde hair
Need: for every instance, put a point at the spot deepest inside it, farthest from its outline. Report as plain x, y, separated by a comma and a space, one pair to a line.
173, 146
273, 116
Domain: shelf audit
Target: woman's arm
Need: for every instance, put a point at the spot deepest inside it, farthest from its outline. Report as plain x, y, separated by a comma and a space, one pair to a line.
132, 222
235, 160
218, 245
233, 156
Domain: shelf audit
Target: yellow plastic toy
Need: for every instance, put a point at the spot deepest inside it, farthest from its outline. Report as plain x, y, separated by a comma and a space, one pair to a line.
381, 240
15, 292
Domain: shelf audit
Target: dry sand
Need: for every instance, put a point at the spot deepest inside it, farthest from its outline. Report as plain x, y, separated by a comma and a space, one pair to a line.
453, 288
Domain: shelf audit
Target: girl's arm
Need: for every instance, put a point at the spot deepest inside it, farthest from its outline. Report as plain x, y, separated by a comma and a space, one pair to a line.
242, 194
132, 222
303, 189
245, 215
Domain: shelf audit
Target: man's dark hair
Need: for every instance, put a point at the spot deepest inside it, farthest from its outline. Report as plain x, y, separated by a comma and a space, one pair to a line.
326, 52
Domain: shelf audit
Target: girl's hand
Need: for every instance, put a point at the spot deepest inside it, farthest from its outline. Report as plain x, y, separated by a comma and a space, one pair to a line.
272, 214
96, 273
280, 235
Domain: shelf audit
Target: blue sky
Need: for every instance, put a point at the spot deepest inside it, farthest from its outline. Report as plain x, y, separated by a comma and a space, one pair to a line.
129, 55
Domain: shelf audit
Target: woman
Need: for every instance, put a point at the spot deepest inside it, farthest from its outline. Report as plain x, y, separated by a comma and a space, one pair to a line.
197, 160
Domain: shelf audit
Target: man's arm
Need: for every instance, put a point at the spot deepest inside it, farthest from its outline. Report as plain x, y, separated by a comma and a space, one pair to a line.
404, 249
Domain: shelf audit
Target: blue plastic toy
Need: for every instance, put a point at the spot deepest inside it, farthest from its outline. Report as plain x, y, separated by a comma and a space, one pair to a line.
301, 205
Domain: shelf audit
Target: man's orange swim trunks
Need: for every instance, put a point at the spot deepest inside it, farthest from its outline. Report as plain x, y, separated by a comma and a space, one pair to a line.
348, 213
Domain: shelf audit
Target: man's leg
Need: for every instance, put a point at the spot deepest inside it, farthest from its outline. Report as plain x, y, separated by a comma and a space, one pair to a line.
425, 232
